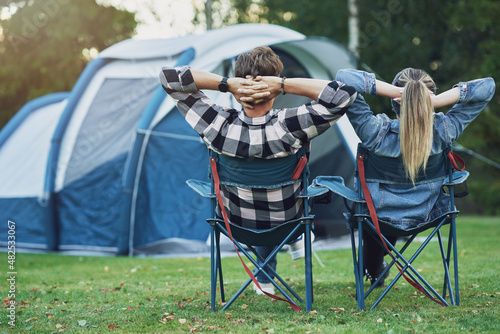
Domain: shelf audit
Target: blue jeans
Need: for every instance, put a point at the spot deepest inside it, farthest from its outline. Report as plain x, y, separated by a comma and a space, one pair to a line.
264, 251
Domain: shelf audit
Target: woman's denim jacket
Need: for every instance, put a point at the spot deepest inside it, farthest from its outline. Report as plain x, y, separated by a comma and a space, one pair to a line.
409, 207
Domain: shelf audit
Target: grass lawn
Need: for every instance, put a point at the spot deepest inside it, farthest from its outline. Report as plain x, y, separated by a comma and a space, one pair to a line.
81, 294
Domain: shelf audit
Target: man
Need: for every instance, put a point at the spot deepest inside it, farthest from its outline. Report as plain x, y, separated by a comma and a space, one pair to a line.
258, 130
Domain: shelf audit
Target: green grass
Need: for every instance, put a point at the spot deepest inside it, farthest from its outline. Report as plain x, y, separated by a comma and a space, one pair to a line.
80, 294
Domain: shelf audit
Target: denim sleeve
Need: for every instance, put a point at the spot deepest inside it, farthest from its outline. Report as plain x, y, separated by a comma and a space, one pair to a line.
474, 96
362, 81
367, 126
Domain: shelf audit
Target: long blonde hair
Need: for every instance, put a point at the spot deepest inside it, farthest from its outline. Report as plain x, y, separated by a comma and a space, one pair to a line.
416, 120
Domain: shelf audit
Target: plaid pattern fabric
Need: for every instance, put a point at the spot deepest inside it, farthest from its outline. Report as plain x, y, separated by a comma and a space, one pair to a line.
259, 208
279, 133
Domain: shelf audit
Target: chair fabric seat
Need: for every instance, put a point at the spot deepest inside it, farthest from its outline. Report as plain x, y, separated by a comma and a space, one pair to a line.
268, 237
389, 229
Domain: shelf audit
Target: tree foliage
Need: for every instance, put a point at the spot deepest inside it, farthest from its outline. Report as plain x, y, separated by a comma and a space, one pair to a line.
45, 44
454, 41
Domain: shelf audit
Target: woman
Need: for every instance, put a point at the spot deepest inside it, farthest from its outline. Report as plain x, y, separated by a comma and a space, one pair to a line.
417, 133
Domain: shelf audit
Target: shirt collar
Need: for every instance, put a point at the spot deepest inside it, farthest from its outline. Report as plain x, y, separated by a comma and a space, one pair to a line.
256, 120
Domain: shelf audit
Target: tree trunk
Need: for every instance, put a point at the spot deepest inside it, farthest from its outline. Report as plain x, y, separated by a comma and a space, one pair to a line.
208, 14
353, 6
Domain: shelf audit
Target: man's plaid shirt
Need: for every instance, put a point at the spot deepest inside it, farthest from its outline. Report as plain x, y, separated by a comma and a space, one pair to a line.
279, 133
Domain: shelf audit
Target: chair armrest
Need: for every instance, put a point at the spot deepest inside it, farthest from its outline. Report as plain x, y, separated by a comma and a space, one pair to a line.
457, 178
313, 192
203, 188
336, 185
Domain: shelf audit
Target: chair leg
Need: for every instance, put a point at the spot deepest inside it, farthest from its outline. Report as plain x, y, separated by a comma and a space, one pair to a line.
407, 267
446, 268
237, 294
308, 268
219, 266
360, 290
453, 229
213, 268
264, 266
446, 282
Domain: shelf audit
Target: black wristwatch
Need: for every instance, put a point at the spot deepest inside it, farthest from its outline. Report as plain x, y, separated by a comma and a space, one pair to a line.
223, 86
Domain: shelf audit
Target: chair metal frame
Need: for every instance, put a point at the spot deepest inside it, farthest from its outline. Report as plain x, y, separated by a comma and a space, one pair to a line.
244, 238
357, 219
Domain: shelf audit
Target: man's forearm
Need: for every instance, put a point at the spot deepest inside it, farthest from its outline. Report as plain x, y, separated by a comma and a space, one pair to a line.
205, 80
310, 88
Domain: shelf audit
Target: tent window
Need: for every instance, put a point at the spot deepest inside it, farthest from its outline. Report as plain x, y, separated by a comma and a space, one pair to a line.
293, 69
108, 127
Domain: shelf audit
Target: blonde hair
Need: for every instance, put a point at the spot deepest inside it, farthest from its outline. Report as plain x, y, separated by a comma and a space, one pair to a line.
416, 120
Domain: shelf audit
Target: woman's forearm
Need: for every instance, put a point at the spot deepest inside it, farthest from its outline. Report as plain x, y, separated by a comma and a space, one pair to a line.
446, 98
388, 90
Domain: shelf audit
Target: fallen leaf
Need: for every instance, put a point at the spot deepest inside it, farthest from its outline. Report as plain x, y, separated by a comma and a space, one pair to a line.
182, 321
130, 308
244, 306
59, 326
379, 320
112, 326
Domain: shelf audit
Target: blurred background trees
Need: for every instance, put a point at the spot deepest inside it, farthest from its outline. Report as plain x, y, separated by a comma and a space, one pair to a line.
453, 41
45, 44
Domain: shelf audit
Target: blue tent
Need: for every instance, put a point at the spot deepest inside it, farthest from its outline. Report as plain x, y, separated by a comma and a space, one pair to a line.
102, 168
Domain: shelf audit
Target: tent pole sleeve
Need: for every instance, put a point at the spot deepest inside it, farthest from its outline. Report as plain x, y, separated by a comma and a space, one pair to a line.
132, 172
134, 163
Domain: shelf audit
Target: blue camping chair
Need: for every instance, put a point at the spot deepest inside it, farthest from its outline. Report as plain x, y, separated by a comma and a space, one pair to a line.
390, 170
259, 173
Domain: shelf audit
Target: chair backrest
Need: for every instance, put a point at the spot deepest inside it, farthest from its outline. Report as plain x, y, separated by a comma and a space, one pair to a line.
260, 173
391, 170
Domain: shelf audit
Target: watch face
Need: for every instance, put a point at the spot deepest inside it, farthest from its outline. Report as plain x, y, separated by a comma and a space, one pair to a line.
223, 86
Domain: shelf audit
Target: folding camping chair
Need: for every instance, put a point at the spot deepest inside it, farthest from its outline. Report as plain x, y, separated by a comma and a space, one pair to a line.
259, 173
374, 168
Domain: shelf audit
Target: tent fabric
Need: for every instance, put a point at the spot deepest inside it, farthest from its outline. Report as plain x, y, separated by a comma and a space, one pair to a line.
23, 161
103, 168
